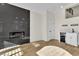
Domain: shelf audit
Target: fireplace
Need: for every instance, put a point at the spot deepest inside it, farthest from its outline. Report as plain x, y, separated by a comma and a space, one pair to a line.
18, 35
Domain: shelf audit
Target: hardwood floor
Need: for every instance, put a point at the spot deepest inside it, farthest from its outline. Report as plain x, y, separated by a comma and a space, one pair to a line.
30, 49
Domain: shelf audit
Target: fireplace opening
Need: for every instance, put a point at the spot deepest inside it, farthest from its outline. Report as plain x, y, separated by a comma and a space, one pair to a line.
16, 34
18, 37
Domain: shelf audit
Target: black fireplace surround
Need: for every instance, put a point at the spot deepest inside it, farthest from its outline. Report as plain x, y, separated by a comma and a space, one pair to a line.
14, 25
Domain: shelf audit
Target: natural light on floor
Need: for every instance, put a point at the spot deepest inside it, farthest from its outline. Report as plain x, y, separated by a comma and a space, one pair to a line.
14, 52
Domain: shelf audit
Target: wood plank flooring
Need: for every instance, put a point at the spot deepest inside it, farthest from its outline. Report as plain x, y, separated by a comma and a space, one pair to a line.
30, 49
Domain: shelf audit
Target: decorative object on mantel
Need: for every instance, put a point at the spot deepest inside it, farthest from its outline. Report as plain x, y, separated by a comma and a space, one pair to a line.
65, 25
74, 25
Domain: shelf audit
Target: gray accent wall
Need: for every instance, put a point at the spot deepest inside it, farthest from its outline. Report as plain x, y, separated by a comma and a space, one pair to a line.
13, 19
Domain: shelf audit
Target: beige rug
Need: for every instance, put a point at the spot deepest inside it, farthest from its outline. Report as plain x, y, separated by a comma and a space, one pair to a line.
52, 51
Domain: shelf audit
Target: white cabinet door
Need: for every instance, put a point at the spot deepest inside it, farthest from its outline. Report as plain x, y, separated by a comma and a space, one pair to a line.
71, 38
50, 25
74, 39
68, 38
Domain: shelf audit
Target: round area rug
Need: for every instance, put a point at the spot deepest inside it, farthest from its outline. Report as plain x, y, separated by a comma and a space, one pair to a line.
52, 51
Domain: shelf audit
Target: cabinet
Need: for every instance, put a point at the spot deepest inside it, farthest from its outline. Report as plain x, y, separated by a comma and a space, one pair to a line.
72, 38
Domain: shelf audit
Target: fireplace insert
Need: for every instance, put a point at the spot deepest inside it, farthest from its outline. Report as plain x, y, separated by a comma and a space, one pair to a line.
18, 37
16, 34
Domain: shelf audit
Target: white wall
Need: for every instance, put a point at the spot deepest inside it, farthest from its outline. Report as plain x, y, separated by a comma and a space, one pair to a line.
35, 26
44, 26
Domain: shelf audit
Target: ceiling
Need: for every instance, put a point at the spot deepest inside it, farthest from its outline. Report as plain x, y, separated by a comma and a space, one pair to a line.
40, 7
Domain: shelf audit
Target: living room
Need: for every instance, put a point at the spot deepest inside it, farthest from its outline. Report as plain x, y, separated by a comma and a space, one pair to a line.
41, 27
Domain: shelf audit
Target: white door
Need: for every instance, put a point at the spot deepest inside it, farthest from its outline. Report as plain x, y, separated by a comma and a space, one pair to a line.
51, 26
